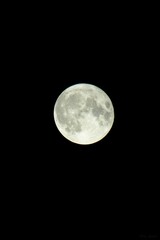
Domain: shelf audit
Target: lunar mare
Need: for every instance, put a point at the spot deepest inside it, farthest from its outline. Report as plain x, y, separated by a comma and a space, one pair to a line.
83, 113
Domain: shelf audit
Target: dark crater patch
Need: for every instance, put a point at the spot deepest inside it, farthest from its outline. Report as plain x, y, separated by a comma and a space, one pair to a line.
107, 104
73, 101
73, 126
107, 115
91, 103
64, 104
97, 111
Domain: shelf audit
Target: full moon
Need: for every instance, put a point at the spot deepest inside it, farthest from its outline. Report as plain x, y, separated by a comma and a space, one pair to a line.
83, 113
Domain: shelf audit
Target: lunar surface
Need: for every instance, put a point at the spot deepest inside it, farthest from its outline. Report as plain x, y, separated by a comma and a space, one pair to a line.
83, 113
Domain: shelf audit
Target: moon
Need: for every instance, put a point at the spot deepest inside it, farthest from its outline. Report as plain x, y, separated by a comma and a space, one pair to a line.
83, 113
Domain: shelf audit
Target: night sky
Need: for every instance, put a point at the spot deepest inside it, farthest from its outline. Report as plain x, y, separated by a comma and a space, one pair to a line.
113, 181
109, 188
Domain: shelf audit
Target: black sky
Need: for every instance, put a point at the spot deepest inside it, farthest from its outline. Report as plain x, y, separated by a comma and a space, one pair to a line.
115, 178
109, 187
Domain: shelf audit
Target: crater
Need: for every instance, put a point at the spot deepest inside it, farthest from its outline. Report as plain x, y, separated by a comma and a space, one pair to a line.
97, 111
107, 115
90, 102
73, 126
107, 104
73, 101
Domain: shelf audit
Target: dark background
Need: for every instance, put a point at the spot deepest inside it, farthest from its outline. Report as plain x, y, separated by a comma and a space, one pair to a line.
109, 188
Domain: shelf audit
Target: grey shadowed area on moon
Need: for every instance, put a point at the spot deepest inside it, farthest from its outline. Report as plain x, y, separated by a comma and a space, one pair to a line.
83, 113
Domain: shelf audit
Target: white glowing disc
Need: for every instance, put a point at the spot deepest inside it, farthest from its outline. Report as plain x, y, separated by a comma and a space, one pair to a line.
83, 113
